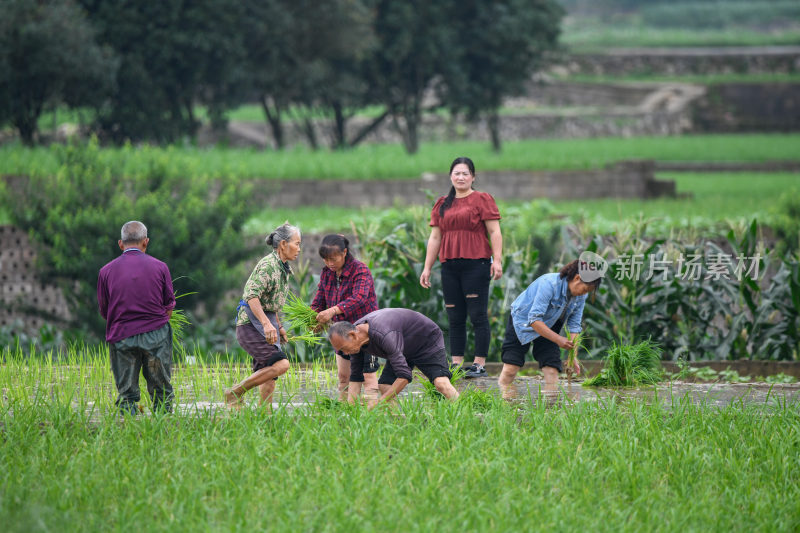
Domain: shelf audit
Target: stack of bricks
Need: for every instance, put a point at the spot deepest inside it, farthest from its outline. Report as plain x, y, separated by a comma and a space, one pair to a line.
26, 304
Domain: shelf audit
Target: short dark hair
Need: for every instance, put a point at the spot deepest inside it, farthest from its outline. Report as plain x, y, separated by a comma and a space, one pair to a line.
570, 270
334, 243
340, 329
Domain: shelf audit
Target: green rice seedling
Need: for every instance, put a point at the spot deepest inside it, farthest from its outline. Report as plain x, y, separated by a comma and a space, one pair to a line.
178, 321
302, 320
572, 355
477, 399
629, 365
457, 374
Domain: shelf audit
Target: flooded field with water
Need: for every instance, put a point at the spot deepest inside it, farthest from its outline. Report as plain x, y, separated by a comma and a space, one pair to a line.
199, 388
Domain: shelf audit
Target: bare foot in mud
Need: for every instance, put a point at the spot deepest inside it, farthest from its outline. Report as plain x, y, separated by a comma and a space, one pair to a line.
232, 400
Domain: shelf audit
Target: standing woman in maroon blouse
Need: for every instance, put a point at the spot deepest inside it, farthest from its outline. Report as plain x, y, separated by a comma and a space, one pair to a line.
346, 291
465, 233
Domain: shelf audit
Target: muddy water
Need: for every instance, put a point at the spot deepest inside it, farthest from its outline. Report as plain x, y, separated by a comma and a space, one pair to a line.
532, 389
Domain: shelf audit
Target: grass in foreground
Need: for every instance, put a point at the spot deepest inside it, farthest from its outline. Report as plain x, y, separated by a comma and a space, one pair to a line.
601, 466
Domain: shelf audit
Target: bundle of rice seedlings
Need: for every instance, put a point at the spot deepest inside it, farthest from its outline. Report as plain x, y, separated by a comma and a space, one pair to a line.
178, 321
572, 355
629, 365
429, 389
302, 320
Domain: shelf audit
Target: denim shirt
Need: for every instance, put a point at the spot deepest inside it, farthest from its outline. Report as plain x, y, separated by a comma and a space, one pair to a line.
545, 300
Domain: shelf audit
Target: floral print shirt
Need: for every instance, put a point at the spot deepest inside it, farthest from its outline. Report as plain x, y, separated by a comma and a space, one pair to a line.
269, 282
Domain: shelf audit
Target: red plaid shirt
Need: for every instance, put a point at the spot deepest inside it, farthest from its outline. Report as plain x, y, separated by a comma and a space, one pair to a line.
353, 292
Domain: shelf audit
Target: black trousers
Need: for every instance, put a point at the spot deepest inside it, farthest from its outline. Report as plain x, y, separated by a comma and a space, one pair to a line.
465, 284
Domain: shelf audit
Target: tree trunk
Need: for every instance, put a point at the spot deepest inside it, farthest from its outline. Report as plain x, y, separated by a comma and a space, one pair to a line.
369, 128
274, 121
493, 121
311, 133
411, 116
339, 127
26, 125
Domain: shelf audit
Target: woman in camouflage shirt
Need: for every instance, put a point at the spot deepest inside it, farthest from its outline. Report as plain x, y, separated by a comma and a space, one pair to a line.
258, 327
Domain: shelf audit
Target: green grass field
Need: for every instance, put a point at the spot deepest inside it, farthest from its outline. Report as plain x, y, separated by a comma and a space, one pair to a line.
601, 37
391, 161
481, 464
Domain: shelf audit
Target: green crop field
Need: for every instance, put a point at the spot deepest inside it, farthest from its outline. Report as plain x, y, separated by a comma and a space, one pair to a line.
70, 463
598, 38
391, 161
610, 23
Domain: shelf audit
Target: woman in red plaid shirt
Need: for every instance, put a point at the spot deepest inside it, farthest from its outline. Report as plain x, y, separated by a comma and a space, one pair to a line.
345, 292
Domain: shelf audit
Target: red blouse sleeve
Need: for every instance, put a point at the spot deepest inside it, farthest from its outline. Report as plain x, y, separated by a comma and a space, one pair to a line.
435, 212
489, 210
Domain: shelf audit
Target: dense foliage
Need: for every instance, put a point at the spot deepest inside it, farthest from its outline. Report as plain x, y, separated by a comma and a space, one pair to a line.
74, 217
697, 298
48, 55
293, 57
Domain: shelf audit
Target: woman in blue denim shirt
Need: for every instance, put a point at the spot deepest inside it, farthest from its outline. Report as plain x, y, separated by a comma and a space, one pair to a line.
536, 319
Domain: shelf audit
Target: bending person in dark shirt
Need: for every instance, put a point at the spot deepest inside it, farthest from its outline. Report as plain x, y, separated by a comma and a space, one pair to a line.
405, 339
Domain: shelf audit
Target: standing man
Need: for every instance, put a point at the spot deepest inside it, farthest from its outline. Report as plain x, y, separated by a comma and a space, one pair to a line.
405, 339
135, 295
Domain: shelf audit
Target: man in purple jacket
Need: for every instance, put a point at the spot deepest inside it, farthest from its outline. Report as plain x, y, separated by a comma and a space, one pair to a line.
135, 295
403, 337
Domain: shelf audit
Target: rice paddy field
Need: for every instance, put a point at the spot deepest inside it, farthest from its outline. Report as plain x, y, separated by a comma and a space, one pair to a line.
658, 459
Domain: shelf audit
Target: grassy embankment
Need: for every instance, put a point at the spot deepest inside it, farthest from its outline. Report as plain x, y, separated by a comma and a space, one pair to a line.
71, 464
715, 196
593, 26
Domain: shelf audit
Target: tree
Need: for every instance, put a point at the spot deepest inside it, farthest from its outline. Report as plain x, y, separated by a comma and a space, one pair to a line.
48, 54
416, 41
173, 55
74, 216
268, 29
503, 45
336, 39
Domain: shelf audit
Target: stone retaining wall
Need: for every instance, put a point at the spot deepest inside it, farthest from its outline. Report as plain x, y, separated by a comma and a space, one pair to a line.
687, 61
739, 107
632, 179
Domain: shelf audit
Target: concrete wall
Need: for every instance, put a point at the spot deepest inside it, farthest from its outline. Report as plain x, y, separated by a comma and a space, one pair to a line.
23, 296
740, 107
633, 179
688, 61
